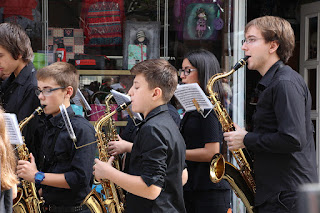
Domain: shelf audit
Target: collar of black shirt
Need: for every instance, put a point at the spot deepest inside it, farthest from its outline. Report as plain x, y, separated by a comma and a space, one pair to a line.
57, 120
156, 111
267, 78
24, 74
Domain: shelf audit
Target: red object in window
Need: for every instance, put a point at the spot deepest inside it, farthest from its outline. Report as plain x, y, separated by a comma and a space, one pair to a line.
18, 8
102, 22
61, 53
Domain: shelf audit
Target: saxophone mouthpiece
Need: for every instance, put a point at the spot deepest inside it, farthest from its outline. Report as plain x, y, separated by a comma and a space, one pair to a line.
246, 58
38, 110
123, 106
241, 62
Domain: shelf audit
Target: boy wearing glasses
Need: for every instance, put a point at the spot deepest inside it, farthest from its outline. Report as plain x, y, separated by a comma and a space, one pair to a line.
65, 172
282, 139
17, 91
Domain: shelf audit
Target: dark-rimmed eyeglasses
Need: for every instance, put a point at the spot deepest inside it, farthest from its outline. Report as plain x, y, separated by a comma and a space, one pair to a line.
185, 71
47, 91
250, 40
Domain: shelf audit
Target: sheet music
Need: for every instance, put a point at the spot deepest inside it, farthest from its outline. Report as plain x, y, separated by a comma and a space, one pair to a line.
185, 93
12, 128
123, 98
80, 100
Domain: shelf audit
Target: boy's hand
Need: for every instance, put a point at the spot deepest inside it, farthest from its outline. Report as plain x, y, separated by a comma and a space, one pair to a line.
26, 169
119, 147
102, 169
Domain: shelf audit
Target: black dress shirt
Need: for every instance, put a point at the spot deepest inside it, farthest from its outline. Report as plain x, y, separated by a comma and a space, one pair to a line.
64, 158
18, 97
197, 131
158, 156
282, 140
130, 130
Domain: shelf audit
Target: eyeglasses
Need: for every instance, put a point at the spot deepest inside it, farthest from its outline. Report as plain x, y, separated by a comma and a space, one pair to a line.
250, 40
47, 91
185, 71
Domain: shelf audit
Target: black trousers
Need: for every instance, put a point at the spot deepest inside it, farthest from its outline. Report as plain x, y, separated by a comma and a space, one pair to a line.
217, 201
282, 202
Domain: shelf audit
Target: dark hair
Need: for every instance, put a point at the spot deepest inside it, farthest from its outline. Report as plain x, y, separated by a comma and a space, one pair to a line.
207, 65
158, 73
276, 29
200, 10
15, 40
63, 73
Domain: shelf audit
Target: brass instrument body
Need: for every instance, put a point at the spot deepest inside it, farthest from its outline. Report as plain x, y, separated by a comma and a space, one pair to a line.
27, 200
241, 180
112, 202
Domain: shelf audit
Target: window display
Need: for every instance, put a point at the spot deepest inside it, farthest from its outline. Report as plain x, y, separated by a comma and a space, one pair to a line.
141, 42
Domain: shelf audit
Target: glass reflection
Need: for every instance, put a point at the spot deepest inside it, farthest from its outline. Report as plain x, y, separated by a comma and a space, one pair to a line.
313, 29
312, 85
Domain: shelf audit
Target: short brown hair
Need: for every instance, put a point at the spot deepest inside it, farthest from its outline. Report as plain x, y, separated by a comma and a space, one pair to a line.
15, 40
276, 29
63, 73
158, 73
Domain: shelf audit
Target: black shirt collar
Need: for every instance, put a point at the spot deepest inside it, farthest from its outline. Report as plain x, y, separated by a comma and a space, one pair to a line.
57, 120
155, 112
24, 74
267, 78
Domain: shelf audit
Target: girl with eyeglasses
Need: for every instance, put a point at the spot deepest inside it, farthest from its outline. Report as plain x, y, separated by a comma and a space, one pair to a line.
203, 138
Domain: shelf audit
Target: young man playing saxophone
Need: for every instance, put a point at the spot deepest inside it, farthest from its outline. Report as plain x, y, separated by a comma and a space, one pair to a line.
282, 139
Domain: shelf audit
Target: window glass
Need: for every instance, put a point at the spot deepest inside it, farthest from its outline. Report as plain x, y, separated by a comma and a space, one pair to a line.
105, 38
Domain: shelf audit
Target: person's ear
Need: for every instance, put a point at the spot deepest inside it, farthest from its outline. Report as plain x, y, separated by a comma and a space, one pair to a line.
69, 90
274, 45
19, 57
157, 93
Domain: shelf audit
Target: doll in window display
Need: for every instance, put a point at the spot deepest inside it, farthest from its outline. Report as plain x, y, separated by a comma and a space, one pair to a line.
137, 52
201, 22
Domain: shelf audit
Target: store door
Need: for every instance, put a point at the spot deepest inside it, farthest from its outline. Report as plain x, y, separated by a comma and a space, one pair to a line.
310, 60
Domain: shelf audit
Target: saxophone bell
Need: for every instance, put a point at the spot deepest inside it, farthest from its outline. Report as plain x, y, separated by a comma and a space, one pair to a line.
217, 168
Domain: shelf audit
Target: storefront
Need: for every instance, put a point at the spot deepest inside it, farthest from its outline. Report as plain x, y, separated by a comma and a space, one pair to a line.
105, 38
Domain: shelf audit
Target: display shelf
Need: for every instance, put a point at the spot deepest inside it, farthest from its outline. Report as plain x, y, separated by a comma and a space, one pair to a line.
104, 72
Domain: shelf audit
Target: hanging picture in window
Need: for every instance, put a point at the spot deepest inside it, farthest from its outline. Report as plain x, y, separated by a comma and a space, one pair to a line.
198, 19
141, 42
137, 52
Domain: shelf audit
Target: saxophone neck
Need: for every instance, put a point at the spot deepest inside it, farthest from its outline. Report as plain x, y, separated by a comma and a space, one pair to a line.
218, 76
98, 125
25, 121
107, 101
215, 78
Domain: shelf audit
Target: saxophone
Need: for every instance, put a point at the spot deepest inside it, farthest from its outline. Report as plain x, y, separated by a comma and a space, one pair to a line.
114, 201
241, 180
27, 200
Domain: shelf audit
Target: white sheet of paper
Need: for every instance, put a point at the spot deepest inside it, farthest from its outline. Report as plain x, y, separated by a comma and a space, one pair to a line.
123, 98
12, 127
185, 93
78, 98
